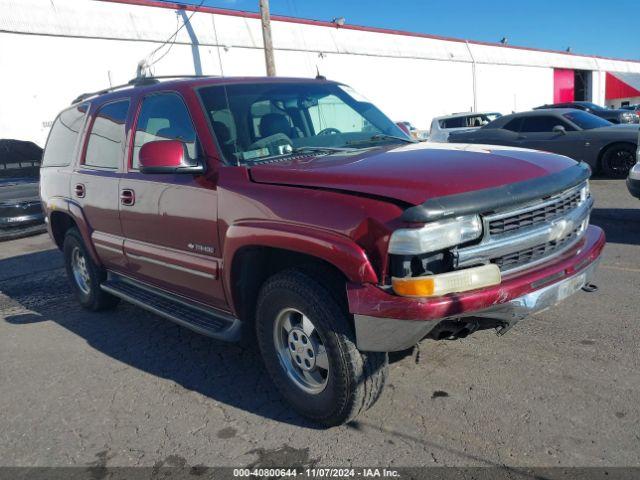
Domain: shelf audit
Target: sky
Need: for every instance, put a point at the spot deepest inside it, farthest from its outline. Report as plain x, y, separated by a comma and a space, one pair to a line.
607, 28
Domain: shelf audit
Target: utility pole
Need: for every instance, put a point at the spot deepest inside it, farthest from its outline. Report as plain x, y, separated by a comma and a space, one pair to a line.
266, 38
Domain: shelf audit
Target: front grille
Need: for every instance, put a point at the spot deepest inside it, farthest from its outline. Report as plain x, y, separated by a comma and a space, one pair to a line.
537, 216
533, 254
529, 234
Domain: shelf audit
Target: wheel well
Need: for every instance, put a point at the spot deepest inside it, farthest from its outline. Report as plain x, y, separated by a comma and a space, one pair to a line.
60, 223
608, 147
252, 266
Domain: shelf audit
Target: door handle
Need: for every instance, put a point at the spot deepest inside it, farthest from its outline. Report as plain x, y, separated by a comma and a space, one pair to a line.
79, 190
127, 197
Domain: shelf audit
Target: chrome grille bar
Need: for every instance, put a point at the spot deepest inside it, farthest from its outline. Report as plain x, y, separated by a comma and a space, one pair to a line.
550, 228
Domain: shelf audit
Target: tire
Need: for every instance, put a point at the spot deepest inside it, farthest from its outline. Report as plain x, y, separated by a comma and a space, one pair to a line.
618, 159
85, 282
352, 381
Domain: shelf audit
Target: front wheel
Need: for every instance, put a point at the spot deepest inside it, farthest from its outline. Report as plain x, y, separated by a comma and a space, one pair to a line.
618, 160
308, 348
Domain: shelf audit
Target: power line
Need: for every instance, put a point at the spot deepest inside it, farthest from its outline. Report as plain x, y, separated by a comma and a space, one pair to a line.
172, 39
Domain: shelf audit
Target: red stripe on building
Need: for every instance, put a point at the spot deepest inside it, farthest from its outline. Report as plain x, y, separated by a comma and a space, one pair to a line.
616, 88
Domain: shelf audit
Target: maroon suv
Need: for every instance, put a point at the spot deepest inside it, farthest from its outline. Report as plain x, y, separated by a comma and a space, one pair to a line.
295, 212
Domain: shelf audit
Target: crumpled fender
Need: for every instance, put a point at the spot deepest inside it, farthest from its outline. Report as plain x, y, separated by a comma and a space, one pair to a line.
338, 250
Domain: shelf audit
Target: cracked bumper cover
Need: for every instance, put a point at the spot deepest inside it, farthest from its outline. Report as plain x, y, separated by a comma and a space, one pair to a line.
386, 322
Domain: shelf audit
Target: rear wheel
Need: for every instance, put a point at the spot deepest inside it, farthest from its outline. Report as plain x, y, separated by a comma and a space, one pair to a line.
618, 159
84, 275
308, 347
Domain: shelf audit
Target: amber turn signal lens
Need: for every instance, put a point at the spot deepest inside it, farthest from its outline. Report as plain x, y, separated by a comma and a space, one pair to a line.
413, 287
445, 283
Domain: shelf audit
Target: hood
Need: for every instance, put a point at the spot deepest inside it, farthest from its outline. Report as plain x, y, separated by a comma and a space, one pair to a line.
618, 127
414, 173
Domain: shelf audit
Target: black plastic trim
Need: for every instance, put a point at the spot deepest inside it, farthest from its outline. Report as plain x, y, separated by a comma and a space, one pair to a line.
492, 199
199, 318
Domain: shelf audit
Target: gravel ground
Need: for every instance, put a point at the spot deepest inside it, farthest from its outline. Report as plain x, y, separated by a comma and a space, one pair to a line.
127, 388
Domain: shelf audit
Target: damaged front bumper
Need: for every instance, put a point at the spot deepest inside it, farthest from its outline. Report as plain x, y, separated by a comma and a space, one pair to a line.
385, 322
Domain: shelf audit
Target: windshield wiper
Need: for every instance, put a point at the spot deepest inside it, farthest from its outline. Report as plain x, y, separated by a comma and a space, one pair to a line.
321, 149
382, 136
296, 150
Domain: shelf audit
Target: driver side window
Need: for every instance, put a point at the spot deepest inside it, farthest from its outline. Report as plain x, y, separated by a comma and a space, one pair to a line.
163, 117
539, 124
332, 112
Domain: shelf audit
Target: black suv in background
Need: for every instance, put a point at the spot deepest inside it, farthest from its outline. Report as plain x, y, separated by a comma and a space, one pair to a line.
20, 207
617, 115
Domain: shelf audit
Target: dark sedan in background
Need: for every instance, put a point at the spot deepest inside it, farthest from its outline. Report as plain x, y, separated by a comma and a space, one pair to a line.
20, 208
614, 115
608, 148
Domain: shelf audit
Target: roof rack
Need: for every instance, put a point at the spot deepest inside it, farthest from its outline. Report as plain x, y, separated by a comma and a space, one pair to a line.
135, 82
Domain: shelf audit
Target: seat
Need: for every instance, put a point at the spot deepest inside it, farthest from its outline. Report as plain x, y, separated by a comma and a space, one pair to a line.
223, 134
273, 123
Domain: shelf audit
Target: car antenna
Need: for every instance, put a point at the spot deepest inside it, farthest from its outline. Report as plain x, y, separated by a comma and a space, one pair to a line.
318, 76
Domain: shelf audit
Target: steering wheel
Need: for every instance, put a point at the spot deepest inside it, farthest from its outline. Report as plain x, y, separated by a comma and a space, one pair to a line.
329, 131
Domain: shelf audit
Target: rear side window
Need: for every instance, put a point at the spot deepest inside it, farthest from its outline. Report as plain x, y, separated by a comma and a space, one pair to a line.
61, 145
513, 125
163, 117
540, 124
457, 122
106, 141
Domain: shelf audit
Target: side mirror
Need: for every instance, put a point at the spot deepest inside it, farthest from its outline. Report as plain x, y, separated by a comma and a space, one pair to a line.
559, 129
167, 156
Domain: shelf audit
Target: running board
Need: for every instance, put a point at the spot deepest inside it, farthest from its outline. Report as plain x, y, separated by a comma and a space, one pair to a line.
207, 321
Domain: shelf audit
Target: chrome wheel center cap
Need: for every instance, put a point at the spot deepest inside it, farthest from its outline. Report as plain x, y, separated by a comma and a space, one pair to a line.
301, 349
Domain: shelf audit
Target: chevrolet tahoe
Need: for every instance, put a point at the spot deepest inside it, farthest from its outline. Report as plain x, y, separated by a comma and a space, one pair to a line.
294, 213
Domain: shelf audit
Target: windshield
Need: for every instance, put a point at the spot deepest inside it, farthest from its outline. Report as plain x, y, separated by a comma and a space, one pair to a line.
586, 121
253, 122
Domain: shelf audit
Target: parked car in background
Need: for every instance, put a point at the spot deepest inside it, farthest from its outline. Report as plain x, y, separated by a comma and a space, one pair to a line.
582, 136
633, 180
294, 212
412, 131
441, 127
634, 108
20, 207
614, 115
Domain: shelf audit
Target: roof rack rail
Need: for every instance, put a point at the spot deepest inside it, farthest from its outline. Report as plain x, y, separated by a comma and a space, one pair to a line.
135, 82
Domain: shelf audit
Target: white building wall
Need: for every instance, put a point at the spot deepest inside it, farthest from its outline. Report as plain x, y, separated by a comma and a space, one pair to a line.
57, 49
508, 88
598, 85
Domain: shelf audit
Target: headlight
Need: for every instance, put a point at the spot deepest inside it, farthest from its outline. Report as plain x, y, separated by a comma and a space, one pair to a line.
628, 117
435, 236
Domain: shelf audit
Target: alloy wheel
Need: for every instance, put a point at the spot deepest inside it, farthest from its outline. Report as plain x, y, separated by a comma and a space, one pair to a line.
301, 351
80, 270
